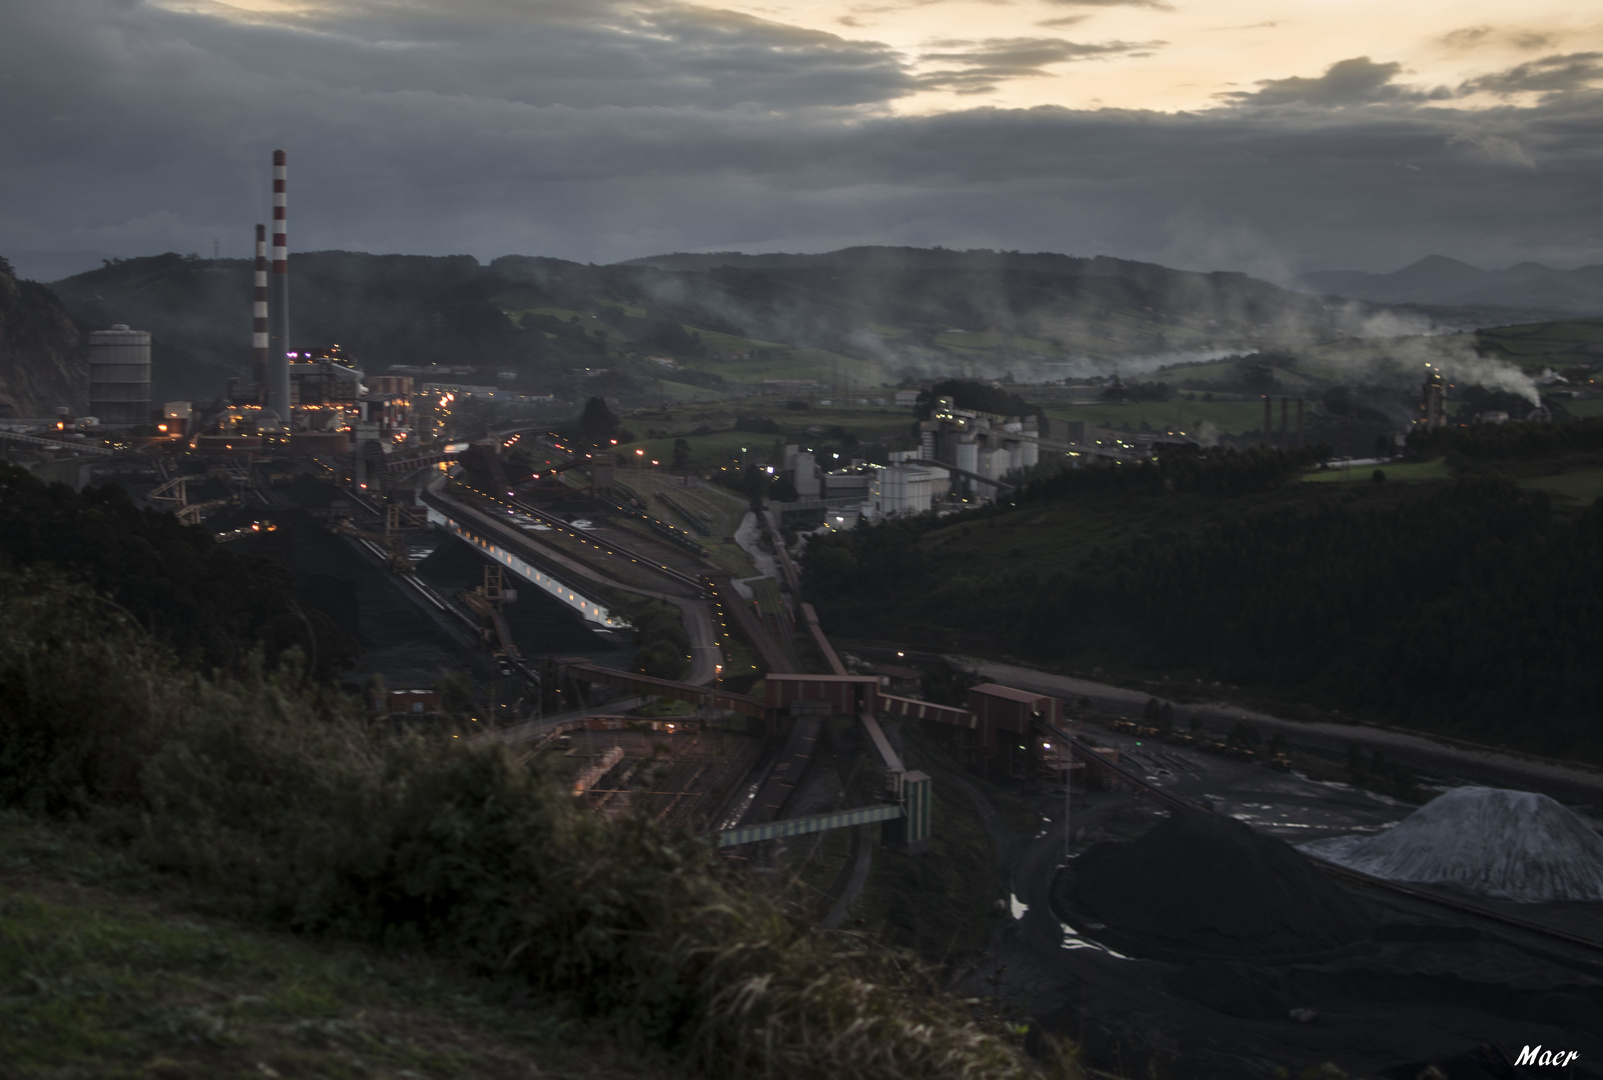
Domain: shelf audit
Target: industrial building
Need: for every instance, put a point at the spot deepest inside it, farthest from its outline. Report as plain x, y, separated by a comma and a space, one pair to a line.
1433, 401
302, 400
905, 486
979, 448
119, 376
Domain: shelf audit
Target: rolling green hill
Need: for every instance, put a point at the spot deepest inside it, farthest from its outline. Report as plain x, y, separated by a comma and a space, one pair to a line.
849, 321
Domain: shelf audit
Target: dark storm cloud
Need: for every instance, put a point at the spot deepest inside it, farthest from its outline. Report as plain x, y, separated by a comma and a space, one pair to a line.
1358, 81
606, 131
983, 64
1551, 76
603, 53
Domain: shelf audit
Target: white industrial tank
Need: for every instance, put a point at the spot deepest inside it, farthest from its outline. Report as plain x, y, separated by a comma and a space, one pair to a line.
119, 375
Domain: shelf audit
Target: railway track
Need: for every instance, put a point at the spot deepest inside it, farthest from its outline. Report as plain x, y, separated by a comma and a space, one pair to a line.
610, 547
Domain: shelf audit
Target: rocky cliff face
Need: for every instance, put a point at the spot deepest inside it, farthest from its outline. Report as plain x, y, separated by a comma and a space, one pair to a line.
41, 351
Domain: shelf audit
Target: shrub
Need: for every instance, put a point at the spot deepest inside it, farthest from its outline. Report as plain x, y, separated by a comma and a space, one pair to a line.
287, 804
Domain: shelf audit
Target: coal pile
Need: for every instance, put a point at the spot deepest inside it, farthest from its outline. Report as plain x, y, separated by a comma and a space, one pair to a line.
1206, 884
1510, 845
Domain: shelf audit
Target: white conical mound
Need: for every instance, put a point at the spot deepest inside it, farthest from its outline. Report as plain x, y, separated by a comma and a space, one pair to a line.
1512, 845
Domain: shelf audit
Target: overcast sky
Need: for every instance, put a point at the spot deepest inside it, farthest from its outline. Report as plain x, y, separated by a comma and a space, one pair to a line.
1270, 136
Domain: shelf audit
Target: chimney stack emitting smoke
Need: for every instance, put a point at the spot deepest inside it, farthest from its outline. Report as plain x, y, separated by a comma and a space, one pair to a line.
258, 337
278, 373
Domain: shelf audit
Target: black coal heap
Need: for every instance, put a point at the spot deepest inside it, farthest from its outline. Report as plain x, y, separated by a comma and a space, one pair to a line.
1204, 883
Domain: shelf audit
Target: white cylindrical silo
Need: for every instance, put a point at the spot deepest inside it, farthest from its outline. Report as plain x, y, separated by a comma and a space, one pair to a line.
968, 455
119, 376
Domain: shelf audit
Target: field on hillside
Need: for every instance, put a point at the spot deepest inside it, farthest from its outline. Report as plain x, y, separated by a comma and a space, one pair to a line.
1579, 407
1565, 343
669, 390
1228, 417
718, 447
1581, 485
836, 375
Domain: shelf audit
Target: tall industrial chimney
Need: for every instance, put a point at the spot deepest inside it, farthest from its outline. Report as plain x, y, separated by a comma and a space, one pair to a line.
258, 336
278, 368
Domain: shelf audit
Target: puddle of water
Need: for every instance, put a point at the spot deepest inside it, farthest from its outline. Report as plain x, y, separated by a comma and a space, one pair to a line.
1073, 939
1270, 823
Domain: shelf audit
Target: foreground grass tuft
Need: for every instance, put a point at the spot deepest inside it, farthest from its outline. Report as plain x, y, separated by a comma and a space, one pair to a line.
122, 978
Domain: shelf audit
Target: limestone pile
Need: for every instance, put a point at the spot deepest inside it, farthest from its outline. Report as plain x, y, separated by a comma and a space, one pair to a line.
1510, 845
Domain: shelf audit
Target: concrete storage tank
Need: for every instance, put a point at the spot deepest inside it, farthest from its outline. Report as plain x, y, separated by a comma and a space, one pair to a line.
119, 376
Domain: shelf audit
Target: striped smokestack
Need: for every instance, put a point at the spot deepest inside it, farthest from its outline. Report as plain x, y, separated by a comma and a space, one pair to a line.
258, 336
278, 370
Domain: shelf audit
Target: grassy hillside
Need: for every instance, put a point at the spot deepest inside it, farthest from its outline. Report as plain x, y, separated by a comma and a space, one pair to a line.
112, 971
282, 807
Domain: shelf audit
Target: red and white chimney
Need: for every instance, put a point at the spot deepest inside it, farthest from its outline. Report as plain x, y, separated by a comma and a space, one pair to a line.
278, 373
258, 337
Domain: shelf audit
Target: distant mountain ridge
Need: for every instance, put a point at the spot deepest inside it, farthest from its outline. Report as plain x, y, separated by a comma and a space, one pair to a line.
1096, 306
891, 310
886, 259
1437, 279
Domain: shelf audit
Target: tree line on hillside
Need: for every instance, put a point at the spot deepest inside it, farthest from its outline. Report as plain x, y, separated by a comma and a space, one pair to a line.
975, 395
1180, 468
1467, 607
1510, 442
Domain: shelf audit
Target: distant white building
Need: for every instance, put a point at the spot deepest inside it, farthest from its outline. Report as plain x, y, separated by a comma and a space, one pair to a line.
902, 487
906, 399
802, 470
